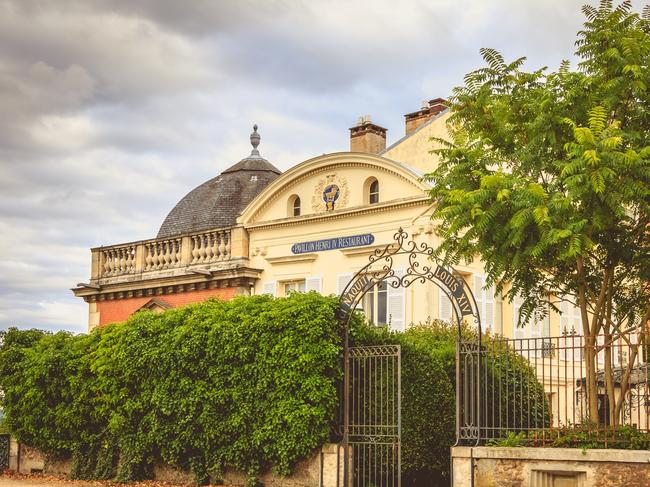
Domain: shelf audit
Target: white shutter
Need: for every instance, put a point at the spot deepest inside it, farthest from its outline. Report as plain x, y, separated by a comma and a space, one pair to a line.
396, 304
269, 287
518, 331
313, 283
565, 317
478, 295
341, 282
489, 309
444, 306
498, 315
484, 302
570, 321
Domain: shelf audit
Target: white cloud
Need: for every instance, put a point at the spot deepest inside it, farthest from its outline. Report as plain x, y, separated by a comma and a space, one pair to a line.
112, 110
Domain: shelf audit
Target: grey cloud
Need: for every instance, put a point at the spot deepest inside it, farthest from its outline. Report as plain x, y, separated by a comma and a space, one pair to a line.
111, 110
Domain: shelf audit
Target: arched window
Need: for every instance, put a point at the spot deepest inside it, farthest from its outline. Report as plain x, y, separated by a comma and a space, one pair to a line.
293, 208
373, 192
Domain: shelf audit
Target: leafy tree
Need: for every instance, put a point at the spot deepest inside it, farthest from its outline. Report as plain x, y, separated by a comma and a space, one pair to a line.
546, 177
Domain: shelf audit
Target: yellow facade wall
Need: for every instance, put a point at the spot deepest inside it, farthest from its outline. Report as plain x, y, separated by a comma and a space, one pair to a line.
414, 150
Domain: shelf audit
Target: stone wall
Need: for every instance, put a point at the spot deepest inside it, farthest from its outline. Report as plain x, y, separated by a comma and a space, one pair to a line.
317, 471
549, 467
29, 460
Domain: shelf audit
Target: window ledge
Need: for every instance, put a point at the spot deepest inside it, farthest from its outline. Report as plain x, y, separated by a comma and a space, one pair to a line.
290, 259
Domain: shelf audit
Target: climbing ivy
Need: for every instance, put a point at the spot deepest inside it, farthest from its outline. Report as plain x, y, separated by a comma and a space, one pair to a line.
248, 384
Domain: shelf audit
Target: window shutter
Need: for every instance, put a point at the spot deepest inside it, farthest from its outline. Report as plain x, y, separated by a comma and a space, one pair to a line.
498, 315
489, 309
484, 302
313, 283
518, 331
396, 304
269, 287
570, 320
341, 282
445, 312
478, 296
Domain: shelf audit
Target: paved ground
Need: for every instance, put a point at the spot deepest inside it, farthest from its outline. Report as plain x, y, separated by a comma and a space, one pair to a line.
31, 482
14, 480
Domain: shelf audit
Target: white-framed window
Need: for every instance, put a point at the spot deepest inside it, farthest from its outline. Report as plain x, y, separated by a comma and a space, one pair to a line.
311, 283
373, 193
294, 287
293, 206
384, 304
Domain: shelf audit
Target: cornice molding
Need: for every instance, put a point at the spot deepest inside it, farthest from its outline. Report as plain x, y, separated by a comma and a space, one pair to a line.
241, 277
339, 214
322, 163
292, 259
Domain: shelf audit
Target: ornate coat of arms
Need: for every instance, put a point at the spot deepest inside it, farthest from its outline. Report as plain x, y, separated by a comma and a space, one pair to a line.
331, 193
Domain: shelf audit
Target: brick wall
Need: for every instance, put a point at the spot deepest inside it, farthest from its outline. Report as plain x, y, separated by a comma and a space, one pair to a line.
121, 309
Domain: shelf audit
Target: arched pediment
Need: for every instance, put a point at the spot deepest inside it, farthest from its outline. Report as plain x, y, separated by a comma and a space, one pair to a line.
333, 183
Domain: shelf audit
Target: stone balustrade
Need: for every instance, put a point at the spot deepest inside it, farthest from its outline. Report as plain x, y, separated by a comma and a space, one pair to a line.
209, 247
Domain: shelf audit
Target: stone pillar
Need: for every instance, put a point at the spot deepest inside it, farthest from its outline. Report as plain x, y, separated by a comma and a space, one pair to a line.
186, 250
96, 264
238, 243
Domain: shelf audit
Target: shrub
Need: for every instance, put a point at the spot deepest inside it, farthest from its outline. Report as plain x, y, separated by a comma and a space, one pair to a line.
248, 384
428, 393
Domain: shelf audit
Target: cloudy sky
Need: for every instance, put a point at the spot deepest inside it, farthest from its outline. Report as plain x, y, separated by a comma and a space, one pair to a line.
112, 110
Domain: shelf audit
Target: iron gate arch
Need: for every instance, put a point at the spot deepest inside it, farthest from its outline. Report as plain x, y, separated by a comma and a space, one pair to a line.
422, 266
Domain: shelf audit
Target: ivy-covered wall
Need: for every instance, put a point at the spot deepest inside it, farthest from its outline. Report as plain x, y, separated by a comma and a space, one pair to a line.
248, 384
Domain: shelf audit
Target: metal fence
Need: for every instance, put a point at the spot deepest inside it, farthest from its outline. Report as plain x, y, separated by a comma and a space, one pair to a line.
4, 452
538, 387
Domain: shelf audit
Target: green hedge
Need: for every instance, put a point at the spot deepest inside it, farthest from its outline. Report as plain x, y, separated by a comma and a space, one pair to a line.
428, 393
248, 384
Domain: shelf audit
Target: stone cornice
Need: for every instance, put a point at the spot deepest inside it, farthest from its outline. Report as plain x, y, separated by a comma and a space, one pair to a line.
279, 192
236, 277
292, 259
343, 213
327, 162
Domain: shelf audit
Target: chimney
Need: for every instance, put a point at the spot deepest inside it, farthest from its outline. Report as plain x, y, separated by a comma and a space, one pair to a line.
429, 110
365, 136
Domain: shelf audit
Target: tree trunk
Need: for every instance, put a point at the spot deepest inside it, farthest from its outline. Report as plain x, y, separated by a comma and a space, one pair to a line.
592, 385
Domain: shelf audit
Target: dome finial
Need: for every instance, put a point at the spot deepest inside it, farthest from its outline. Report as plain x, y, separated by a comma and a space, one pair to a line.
255, 141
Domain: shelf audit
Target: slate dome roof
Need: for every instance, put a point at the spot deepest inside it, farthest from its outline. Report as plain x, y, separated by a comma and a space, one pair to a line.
219, 201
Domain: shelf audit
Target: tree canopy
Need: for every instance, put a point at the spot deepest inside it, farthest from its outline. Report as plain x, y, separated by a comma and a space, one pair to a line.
546, 175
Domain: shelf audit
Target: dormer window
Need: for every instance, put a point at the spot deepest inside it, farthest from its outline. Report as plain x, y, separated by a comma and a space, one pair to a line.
293, 208
371, 188
254, 177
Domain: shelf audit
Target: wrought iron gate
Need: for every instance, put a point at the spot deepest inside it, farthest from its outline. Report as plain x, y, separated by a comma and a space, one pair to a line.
4, 452
374, 415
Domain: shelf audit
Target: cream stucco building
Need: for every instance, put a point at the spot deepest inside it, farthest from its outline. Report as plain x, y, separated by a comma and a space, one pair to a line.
254, 230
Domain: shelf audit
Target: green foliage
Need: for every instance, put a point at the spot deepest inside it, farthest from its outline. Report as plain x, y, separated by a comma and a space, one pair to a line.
586, 437
547, 174
249, 384
428, 393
